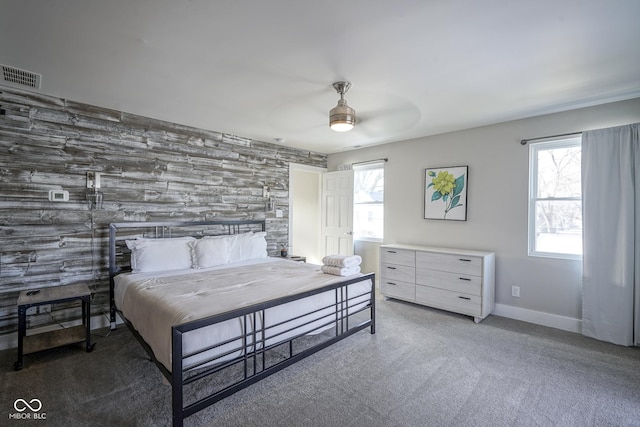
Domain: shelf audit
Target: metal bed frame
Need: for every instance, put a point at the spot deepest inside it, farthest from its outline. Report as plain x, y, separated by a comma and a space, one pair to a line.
348, 315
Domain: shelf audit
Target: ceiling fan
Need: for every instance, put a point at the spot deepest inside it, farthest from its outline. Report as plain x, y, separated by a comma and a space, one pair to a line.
378, 112
342, 118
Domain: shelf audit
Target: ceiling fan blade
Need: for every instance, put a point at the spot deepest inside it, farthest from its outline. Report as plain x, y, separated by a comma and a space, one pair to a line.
372, 123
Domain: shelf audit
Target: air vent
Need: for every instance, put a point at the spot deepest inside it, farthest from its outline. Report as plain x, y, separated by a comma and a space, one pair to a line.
21, 77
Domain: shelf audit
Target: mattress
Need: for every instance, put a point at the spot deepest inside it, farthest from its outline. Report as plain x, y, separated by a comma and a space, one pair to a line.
154, 302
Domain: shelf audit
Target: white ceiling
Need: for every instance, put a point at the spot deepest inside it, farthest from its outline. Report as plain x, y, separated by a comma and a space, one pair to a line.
263, 69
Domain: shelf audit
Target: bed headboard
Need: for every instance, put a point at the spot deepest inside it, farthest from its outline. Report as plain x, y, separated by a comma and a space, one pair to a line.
121, 231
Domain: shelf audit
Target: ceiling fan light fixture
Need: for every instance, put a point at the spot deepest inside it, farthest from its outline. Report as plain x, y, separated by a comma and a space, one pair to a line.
342, 118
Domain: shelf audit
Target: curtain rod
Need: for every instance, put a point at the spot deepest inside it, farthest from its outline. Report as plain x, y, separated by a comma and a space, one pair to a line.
524, 141
385, 159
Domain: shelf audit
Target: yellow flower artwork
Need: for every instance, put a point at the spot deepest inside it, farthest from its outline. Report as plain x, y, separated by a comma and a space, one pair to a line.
446, 193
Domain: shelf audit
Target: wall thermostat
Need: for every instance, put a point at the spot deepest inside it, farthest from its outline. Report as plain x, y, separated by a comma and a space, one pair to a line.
58, 195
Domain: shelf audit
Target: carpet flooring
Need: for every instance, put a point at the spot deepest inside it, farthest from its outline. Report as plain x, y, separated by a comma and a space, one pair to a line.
423, 367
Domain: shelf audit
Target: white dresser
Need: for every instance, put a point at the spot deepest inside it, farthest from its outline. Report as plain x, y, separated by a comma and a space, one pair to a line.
457, 280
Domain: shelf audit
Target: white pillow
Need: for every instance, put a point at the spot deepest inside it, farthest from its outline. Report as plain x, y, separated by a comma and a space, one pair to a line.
254, 246
246, 246
209, 252
236, 246
149, 255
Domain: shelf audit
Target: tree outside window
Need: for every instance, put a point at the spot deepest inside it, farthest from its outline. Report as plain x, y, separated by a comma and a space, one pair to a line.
368, 198
555, 199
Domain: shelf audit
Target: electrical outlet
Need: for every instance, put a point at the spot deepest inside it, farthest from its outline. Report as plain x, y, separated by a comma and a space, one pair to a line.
515, 291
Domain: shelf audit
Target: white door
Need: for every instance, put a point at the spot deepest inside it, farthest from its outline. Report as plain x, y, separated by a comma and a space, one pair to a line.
337, 213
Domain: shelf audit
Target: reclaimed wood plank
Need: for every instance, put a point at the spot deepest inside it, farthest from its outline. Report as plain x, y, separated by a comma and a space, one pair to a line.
151, 171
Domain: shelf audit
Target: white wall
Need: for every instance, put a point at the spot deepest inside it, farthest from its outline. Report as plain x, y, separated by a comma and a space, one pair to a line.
370, 253
305, 184
497, 203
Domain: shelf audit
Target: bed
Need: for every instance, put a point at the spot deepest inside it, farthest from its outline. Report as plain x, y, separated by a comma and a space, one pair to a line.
216, 314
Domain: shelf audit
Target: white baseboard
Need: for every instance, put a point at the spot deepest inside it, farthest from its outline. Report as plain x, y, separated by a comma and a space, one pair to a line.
539, 318
8, 341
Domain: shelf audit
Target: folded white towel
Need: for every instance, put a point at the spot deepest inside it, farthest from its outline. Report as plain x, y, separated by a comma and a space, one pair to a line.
340, 271
342, 260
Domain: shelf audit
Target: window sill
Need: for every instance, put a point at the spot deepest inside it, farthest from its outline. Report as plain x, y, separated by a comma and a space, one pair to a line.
568, 257
368, 239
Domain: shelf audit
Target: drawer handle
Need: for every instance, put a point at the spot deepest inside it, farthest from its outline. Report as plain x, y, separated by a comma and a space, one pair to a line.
467, 298
391, 268
465, 260
392, 252
464, 278
391, 283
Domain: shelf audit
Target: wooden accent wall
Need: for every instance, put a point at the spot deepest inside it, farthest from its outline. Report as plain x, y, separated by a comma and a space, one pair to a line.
151, 170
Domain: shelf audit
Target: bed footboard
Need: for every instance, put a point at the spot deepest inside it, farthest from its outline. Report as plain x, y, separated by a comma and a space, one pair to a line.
264, 348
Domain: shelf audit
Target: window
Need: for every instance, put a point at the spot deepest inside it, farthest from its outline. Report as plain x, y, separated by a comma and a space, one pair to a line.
555, 199
368, 201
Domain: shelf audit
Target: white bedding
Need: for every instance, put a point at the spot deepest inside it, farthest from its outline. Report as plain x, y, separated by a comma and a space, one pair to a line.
154, 302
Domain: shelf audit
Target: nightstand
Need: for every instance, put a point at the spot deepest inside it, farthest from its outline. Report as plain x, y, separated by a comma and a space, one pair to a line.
45, 340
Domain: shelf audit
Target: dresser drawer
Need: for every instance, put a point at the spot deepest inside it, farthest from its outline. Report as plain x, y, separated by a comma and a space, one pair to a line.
453, 301
398, 256
398, 272
398, 289
448, 262
456, 282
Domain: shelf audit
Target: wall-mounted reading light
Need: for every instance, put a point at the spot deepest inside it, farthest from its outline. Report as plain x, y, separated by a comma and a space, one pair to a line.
266, 193
93, 196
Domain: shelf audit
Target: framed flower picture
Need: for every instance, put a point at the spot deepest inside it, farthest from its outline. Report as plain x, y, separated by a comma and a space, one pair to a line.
445, 194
